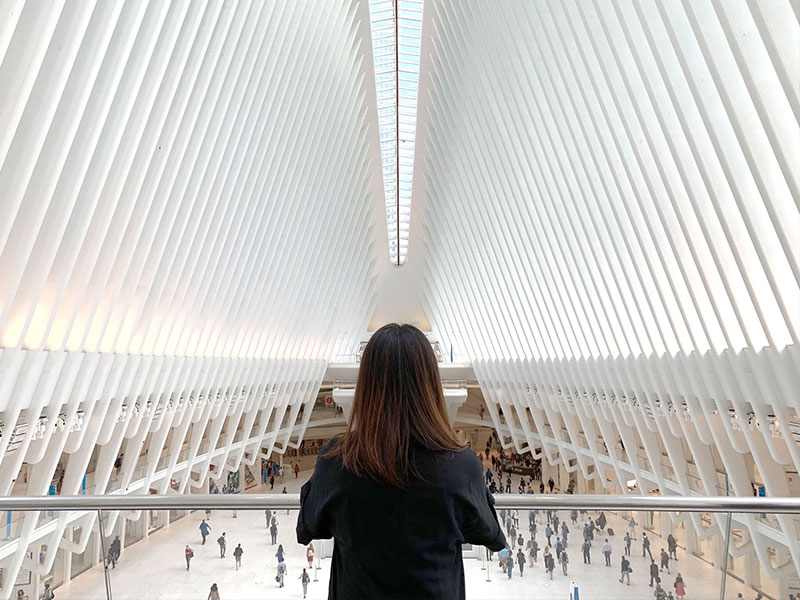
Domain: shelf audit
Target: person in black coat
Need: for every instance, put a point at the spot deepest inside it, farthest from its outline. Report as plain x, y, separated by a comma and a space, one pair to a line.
654, 577
398, 492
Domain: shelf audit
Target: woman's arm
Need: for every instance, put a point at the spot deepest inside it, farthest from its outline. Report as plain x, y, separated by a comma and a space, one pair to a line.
316, 496
480, 524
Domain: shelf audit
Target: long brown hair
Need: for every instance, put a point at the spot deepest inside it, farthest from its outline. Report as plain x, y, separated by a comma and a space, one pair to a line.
398, 401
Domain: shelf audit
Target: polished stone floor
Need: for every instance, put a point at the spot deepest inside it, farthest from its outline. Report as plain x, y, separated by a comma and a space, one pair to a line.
154, 568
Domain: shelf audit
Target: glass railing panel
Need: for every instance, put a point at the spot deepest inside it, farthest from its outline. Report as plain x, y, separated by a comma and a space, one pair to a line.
48, 550
659, 555
759, 556
603, 554
177, 554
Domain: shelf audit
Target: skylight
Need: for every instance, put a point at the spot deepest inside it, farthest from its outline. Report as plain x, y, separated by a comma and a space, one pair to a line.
396, 36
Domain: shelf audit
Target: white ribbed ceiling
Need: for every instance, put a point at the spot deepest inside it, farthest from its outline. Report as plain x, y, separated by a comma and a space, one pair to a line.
606, 223
185, 178
606, 203
611, 179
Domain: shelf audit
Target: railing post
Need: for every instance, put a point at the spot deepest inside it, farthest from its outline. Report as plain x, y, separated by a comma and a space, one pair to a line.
488, 564
725, 557
106, 576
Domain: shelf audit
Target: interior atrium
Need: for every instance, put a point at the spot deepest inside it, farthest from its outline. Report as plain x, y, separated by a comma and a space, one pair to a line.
591, 208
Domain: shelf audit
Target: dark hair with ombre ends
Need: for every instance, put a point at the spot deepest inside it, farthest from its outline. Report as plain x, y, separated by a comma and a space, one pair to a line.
398, 402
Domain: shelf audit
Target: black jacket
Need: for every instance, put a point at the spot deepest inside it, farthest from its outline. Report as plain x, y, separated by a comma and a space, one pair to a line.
401, 544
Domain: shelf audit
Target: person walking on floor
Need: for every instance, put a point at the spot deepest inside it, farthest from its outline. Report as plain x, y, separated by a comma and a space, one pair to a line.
680, 587
672, 546
550, 564
509, 564
628, 540
114, 550
281, 573
664, 560
214, 593
48, 592
521, 560
654, 577
551, 484
304, 579
296, 470
547, 533
625, 570
273, 532
279, 554
632, 528
659, 593
222, 545
285, 492
310, 555
237, 555
646, 546
204, 529
587, 546
267, 516
534, 550
564, 561
607, 552
189, 554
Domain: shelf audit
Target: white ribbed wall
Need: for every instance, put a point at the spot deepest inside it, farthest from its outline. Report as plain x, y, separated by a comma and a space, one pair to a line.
188, 232
607, 226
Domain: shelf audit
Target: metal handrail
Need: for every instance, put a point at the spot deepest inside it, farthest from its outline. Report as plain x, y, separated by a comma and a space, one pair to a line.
518, 501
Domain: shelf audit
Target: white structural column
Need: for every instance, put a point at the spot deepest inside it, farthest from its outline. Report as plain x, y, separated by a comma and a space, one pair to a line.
188, 233
606, 224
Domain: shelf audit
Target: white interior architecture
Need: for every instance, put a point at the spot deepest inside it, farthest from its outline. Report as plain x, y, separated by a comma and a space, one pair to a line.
603, 243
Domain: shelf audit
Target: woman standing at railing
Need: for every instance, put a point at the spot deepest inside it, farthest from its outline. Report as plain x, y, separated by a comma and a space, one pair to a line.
398, 492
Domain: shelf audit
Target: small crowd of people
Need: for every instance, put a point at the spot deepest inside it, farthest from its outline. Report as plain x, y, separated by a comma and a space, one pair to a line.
519, 552
307, 447
222, 542
274, 472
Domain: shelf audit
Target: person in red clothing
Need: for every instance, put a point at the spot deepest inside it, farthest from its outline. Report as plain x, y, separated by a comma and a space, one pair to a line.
296, 470
310, 555
188, 553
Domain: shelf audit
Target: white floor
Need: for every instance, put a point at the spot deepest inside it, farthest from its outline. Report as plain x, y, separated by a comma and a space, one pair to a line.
155, 569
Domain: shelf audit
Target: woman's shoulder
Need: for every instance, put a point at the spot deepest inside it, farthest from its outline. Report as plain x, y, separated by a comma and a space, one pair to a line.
329, 446
464, 464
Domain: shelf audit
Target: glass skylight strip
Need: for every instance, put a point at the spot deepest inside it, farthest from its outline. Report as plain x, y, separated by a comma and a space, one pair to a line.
397, 87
